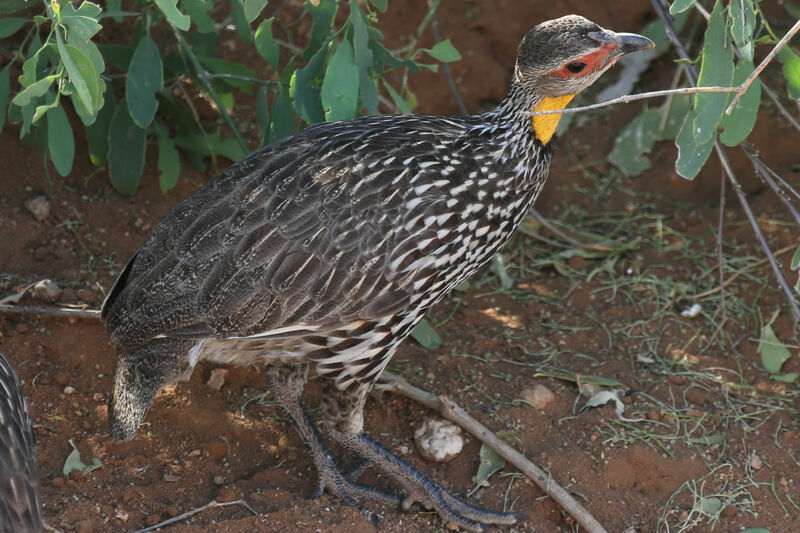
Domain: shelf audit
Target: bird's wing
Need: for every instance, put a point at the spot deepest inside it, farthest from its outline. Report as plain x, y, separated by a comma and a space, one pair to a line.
303, 235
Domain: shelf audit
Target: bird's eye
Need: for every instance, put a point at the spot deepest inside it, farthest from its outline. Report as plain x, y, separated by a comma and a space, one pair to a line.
576, 67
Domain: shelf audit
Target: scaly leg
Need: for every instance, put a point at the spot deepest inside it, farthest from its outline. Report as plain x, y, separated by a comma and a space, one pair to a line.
342, 415
287, 384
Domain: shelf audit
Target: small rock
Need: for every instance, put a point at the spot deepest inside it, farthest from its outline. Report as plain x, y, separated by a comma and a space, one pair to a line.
653, 414
47, 291
152, 520
61, 379
216, 449
755, 462
87, 295
219, 480
676, 380
217, 378
39, 207
84, 526
121, 515
225, 494
577, 262
729, 511
172, 511
170, 478
539, 396
40, 253
22, 328
57, 482
438, 440
69, 390
98, 397
75, 475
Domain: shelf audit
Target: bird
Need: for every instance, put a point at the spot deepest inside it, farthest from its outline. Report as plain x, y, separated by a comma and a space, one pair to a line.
321, 252
20, 511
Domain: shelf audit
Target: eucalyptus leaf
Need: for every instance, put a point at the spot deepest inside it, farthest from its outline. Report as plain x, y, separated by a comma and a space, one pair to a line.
240, 21
11, 25
773, 352
305, 91
363, 57
424, 334
34, 90
786, 377
126, 148
743, 21
398, 100
82, 74
198, 12
265, 44
339, 94
145, 79
716, 69
794, 264
97, 133
738, 125
322, 21
691, 156
60, 140
253, 8
173, 14
444, 51
679, 6
634, 142
490, 462
791, 71
282, 119
169, 161
380, 5
211, 144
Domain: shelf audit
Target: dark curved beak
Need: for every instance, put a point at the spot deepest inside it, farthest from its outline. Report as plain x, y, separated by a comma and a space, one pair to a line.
622, 43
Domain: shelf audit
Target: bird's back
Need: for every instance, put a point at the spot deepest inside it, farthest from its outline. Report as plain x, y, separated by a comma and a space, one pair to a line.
346, 221
19, 471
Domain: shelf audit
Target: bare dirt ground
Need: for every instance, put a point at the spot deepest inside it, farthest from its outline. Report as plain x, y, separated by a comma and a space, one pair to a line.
709, 441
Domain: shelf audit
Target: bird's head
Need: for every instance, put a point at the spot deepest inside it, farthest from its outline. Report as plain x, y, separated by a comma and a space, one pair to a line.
559, 58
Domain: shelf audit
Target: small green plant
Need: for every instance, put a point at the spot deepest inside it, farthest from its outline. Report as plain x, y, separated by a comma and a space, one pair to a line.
127, 93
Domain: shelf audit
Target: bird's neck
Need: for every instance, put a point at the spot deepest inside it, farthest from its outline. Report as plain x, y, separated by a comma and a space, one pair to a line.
515, 108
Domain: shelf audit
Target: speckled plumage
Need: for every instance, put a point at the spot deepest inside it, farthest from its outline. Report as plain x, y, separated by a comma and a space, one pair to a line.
326, 249
19, 471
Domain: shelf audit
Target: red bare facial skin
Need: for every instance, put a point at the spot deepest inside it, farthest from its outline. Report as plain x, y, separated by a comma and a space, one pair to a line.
594, 61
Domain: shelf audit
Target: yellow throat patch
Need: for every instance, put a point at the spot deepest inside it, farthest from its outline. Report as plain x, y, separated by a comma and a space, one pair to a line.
544, 126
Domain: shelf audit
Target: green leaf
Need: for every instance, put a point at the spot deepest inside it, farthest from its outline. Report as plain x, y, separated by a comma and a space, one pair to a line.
401, 104
363, 57
303, 88
253, 8
262, 115
424, 334
794, 264
339, 94
691, 156
114, 6
738, 125
82, 75
634, 142
74, 462
97, 133
126, 147
145, 79
12, 6
491, 462
716, 69
240, 21
211, 144
221, 66
445, 52
265, 44
34, 90
82, 26
773, 352
755, 530
170, 10
679, 106
743, 21
380, 5
282, 120
786, 377
118, 55
169, 161
5, 91
679, 6
11, 25
49, 103
198, 12
60, 140
791, 71
323, 15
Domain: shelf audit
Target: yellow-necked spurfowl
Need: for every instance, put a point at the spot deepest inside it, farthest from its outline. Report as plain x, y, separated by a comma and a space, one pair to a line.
325, 249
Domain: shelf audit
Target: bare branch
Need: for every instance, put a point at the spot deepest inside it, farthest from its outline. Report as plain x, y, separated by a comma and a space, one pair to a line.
193, 512
448, 409
45, 310
761, 66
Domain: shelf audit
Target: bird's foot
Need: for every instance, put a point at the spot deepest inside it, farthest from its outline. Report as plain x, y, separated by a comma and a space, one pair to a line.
421, 488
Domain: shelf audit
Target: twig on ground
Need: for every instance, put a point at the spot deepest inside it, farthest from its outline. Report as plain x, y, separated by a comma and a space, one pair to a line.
45, 310
454, 413
720, 264
187, 514
546, 223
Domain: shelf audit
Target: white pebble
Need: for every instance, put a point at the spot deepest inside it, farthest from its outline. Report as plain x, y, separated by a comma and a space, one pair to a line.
439, 440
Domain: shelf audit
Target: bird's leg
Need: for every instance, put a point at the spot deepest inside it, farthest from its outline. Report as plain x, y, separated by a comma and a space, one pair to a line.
343, 418
287, 384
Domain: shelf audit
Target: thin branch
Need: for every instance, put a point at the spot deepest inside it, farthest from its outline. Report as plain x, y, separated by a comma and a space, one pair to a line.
193, 512
781, 109
739, 272
720, 264
45, 310
547, 224
448, 75
723, 159
448, 409
767, 174
752, 77
634, 97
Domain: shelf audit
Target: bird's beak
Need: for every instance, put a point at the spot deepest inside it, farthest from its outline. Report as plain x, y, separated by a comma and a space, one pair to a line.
621, 43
